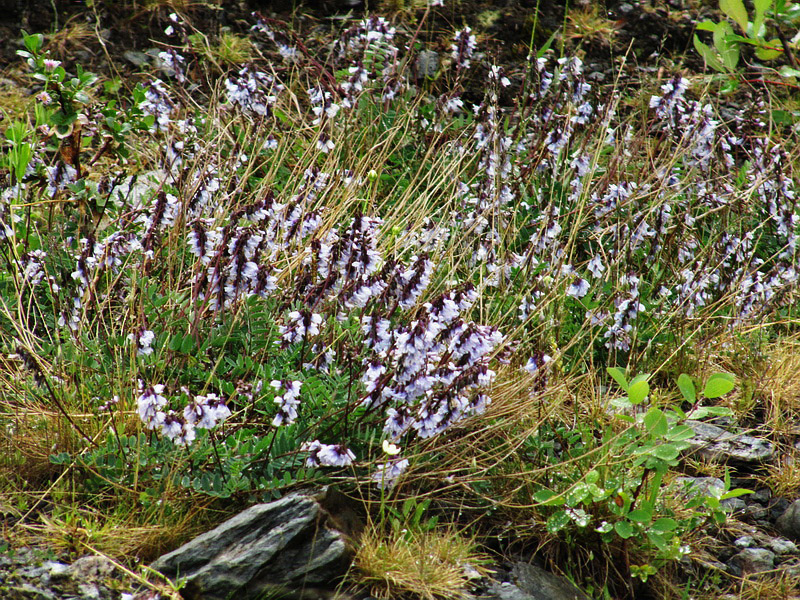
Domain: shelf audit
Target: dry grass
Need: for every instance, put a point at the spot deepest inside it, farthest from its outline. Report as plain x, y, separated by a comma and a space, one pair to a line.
227, 50
74, 35
588, 26
412, 564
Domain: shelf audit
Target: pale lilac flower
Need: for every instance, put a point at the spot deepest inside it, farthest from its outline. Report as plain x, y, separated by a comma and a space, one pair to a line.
578, 288
150, 405
463, 47
33, 266
327, 455
143, 339
325, 143
335, 455
301, 324
59, 177
158, 103
387, 474
205, 412
536, 362
255, 92
596, 266
287, 403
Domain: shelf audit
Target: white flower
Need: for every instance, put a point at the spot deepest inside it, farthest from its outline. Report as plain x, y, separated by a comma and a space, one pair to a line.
144, 341
287, 403
536, 362
390, 449
327, 455
324, 143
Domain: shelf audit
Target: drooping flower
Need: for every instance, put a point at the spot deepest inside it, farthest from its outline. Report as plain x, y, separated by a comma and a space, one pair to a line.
327, 455
143, 338
287, 403
387, 474
150, 405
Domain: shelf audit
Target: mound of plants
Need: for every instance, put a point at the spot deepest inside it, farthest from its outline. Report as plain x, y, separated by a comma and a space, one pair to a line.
276, 262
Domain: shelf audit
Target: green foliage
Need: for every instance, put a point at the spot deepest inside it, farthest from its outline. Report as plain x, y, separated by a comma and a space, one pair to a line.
724, 56
617, 491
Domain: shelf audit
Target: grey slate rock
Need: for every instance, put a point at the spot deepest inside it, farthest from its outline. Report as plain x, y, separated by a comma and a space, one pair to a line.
752, 560
136, 58
719, 445
427, 63
533, 583
277, 548
694, 486
789, 522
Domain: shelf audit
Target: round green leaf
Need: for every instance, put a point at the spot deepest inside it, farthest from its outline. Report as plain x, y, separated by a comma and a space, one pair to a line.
718, 385
557, 521
623, 529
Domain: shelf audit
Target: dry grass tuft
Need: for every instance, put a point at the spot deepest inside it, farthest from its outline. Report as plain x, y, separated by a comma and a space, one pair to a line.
426, 565
589, 26
75, 35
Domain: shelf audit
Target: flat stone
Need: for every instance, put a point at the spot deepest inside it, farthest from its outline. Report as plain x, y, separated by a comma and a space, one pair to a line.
269, 549
781, 546
533, 583
29, 592
719, 445
427, 63
544, 585
136, 58
91, 568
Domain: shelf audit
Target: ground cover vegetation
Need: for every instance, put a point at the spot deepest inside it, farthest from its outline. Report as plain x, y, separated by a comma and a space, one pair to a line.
499, 291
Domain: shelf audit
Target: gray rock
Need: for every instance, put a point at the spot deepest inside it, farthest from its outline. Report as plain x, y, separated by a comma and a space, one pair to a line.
27, 591
761, 496
703, 485
533, 583
789, 522
273, 548
91, 568
781, 546
756, 512
427, 64
716, 444
136, 58
752, 560
543, 585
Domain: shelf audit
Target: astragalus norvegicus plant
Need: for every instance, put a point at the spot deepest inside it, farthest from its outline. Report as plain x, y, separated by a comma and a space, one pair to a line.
231, 286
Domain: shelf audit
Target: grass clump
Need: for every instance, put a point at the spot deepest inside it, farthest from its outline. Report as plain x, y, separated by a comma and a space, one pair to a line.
432, 565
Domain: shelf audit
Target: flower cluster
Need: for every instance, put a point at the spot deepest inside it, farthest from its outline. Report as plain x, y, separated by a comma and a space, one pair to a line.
203, 412
288, 402
463, 47
255, 92
327, 455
